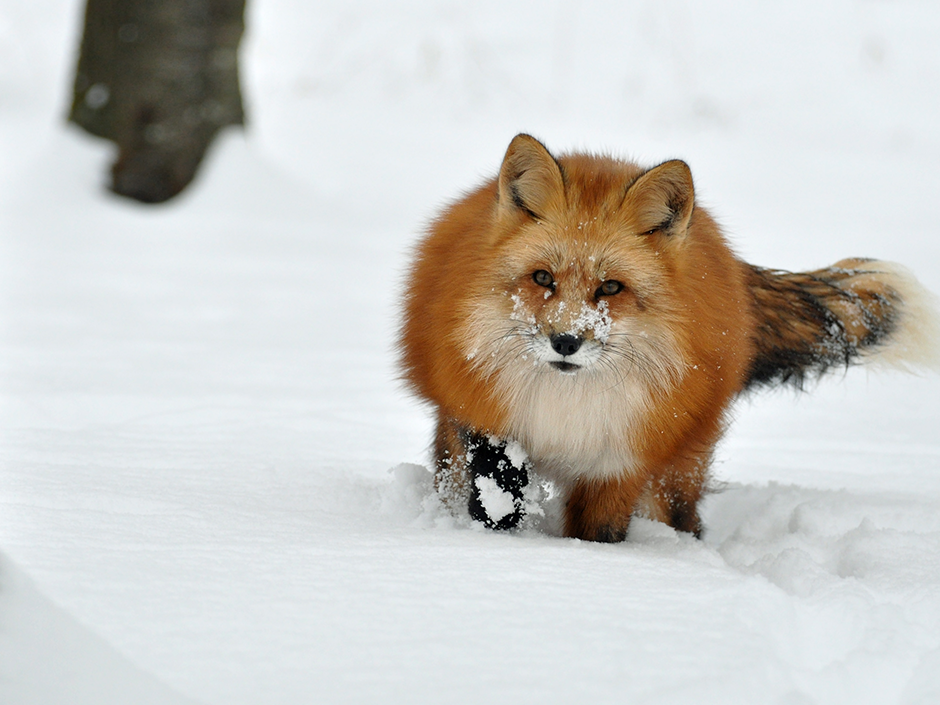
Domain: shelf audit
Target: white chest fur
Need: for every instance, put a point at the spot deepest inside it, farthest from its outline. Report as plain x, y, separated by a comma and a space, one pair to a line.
577, 426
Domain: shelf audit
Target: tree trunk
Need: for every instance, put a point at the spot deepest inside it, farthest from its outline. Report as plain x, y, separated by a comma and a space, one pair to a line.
159, 78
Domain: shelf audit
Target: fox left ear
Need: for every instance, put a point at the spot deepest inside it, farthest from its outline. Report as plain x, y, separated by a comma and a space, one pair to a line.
530, 179
662, 199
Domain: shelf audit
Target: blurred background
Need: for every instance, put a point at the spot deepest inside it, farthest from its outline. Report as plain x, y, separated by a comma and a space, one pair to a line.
806, 115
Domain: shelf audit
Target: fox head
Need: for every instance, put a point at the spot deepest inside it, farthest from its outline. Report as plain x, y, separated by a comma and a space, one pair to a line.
585, 251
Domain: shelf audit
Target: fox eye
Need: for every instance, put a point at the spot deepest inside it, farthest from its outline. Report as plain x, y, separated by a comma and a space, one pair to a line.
543, 278
610, 287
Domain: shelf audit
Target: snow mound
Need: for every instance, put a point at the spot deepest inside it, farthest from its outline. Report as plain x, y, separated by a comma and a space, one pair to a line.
47, 657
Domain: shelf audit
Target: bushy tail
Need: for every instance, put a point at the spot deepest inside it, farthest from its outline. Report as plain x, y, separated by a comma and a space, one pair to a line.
812, 322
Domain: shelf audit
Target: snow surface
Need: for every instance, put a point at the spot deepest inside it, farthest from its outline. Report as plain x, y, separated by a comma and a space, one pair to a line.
212, 487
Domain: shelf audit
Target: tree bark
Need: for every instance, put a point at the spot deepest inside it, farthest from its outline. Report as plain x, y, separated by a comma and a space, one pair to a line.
159, 78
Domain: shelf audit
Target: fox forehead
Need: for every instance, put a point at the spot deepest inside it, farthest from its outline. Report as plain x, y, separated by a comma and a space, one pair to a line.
597, 184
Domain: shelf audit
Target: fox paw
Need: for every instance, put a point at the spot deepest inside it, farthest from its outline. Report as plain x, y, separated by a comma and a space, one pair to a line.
499, 470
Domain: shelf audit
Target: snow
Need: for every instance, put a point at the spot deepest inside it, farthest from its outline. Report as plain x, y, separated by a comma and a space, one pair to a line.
48, 657
596, 319
213, 487
516, 454
497, 503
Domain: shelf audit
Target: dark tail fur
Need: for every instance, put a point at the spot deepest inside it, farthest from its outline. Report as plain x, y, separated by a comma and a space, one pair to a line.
812, 322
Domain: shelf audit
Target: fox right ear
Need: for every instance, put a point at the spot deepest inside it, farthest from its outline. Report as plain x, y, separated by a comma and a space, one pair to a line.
530, 179
662, 199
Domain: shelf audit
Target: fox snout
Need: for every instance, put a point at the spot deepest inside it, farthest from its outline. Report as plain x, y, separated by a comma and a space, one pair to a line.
565, 344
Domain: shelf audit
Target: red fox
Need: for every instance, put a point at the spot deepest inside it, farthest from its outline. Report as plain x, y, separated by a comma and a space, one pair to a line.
583, 318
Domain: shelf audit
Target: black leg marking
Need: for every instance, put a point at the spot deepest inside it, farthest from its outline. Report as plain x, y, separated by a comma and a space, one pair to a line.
496, 482
610, 534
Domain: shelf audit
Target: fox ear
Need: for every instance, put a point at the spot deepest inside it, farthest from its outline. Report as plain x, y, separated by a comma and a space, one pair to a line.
662, 199
530, 179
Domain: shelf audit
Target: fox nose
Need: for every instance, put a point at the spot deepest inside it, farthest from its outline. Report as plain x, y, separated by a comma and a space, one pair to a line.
565, 344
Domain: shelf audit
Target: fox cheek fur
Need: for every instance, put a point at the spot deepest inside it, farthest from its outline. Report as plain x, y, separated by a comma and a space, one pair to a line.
584, 319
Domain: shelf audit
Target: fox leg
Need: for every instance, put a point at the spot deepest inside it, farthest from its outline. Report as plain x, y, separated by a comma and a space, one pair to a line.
483, 472
600, 510
673, 496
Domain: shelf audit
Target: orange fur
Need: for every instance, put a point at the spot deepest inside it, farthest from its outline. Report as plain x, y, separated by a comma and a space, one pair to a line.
618, 394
